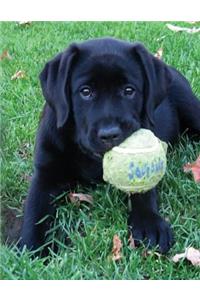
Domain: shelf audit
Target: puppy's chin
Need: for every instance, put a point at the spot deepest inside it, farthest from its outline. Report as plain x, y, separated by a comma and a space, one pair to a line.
95, 155
91, 152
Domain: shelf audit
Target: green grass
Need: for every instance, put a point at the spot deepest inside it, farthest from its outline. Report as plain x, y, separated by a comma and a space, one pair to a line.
91, 229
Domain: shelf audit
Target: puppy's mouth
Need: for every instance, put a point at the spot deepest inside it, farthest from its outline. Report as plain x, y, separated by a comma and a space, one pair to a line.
93, 154
98, 155
101, 153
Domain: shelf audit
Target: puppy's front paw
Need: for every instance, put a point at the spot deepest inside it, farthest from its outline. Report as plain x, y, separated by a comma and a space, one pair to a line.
152, 230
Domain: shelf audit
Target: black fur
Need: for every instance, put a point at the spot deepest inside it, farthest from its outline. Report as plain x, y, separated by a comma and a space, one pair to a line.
98, 93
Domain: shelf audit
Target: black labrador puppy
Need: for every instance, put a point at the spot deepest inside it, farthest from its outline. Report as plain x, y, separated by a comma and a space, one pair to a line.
97, 94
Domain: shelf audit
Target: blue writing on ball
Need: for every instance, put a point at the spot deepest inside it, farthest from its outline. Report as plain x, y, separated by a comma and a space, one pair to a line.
138, 172
147, 170
131, 171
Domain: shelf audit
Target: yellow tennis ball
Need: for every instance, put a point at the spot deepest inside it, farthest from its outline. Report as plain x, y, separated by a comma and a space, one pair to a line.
137, 164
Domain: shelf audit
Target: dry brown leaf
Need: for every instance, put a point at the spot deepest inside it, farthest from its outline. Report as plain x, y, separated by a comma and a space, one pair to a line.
76, 198
191, 254
131, 242
159, 53
117, 245
179, 29
194, 168
5, 54
18, 75
24, 150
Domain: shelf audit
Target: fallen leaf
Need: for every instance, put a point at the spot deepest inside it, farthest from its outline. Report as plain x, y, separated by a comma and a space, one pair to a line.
24, 23
159, 53
18, 75
179, 29
24, 150
79, 197
194, 168
177, 257
191, 254
5, 54
117, 245
131, 242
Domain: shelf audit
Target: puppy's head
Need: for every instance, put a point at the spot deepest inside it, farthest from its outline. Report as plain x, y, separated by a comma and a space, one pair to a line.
111, 88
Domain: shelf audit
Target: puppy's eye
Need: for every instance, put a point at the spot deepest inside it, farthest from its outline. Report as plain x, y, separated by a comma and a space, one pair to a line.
129, 91
86, 92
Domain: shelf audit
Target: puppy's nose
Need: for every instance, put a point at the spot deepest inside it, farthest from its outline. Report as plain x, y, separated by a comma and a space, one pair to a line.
109, 134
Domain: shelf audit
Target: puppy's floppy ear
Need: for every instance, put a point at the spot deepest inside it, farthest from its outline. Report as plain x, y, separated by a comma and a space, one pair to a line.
157, 79
54, 81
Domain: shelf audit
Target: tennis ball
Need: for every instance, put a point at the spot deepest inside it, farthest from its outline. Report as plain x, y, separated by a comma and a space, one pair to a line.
137, 164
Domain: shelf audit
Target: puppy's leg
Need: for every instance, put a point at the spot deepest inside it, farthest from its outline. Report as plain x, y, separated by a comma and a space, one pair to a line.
39, 205
190, 115
145, 223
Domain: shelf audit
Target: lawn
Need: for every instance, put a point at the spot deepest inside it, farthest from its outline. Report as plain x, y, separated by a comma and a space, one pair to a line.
91, 228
